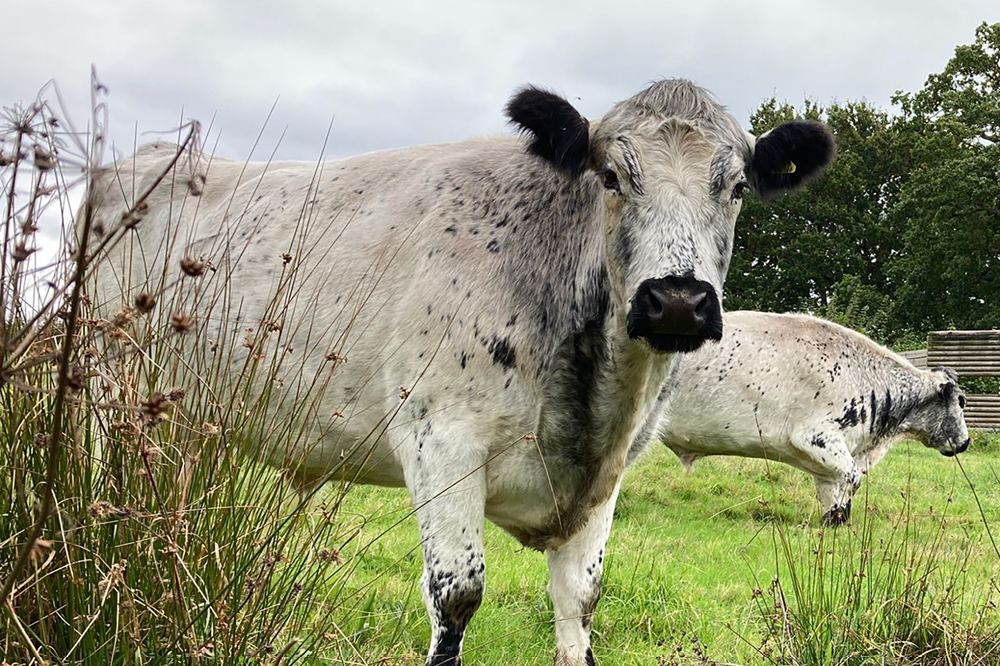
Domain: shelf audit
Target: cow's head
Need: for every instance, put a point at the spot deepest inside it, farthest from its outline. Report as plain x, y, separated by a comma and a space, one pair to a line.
674, 166
939, 421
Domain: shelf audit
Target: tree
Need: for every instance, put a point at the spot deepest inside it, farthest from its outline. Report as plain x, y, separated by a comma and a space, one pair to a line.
949, 271
950, 207
963, 101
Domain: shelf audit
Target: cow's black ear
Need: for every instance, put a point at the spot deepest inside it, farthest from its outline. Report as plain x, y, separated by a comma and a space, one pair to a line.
559, 134
789, 155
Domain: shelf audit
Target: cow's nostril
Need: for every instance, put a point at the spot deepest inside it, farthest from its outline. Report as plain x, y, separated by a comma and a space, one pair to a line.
701, 306
654, 304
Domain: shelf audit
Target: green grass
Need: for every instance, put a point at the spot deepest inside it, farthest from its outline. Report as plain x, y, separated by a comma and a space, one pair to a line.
688, 550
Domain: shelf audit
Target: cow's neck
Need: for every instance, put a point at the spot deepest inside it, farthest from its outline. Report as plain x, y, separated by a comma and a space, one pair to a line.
890, 409
634, 378
599, 394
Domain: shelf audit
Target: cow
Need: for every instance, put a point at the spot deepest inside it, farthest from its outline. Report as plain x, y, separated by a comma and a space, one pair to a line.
502, 312
807, 392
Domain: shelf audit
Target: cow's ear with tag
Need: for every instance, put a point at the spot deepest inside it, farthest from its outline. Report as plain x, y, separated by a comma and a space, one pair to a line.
558, 133
791, 154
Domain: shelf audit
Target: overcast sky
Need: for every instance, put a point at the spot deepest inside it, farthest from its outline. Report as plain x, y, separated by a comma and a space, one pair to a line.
394, 73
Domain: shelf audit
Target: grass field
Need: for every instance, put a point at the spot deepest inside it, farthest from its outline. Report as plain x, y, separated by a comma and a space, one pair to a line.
688, 550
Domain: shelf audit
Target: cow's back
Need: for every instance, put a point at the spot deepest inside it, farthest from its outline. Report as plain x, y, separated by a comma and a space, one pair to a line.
426, 265
770, 375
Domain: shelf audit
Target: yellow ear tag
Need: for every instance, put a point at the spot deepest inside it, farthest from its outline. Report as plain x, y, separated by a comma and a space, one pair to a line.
789, 168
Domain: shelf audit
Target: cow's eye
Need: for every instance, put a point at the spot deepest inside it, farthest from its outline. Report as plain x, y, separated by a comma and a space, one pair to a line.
740, 189
611, 181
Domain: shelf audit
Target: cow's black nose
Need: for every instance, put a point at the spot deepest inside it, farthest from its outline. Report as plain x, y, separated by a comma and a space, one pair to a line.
965, 445
676, 311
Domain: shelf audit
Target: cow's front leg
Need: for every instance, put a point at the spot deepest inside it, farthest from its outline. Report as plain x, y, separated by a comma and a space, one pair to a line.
838, 477
448, 487
575, 571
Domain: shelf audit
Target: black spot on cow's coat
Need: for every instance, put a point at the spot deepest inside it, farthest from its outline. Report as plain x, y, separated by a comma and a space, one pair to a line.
590, 658
451, 229
850, 416
818, 442
884, 415
493, 246
503, 353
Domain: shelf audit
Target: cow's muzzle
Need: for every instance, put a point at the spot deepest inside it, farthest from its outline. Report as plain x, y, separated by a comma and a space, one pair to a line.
961, 448
675, 314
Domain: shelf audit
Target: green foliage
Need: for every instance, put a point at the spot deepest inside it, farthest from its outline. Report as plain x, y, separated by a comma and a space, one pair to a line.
980, 384
948, 270
860, 306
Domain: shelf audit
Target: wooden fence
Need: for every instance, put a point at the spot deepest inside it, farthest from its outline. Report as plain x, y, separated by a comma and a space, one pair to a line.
970, 354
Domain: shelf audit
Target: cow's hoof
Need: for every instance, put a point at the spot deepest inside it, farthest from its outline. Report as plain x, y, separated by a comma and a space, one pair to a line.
837, 516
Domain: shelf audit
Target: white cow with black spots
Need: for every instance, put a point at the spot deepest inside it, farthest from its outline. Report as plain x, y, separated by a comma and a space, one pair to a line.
509, 309
804, 391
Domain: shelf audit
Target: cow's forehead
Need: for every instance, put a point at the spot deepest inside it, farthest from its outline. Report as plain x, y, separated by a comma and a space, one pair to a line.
674, 99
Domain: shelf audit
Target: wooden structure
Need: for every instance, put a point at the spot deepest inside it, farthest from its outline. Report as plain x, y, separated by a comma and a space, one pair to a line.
970, 354
917, 357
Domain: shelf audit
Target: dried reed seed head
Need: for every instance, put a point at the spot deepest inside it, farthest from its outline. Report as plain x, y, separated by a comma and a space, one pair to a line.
114, 577
101, 509
286, 259
42, 440
118, 334
144, 302
123, 317
333, 555
156, 408
192, 267
212, 429
176, 394
76, 378
44, 160
6, 159
196, 186
133, 216
180, 322
20, 252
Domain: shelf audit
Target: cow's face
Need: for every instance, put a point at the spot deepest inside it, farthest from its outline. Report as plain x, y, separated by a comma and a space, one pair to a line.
674, 167
940, 420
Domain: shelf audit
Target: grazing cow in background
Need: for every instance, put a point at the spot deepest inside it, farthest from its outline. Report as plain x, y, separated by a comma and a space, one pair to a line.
809, 393
528, 295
